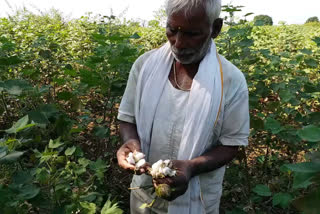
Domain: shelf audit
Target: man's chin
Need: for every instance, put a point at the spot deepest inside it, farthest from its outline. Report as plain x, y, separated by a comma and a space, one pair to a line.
186, 61
189, 59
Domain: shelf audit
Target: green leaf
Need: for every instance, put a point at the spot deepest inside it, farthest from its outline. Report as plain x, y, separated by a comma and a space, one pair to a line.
286, 95
19, 125
99, 167
89, 77
111, 208
306, 51
306, 167
42, 175
46, 54
28, 192
12, 60
100, 131
302, 180
273, 125
88, 208
135, 36
282, 199
310, 133
38, 117
11, 157
311, 63
84, 162
317, 41
91, 196
16, 86
22, 177
64, 95
262, 190
53, 144
314, 117
143, 206
69, 151
71, 73
248, 14
3, 151
310, 203
310, 87
256, 123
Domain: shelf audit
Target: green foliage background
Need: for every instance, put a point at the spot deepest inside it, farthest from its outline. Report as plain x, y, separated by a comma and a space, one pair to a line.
261, 20
312, 19
61, 83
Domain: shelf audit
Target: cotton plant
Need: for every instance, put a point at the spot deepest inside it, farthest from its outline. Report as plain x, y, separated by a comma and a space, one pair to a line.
160, 169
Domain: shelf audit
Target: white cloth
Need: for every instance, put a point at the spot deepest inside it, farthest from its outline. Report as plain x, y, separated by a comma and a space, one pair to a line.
232, 127
166, 138
202, 111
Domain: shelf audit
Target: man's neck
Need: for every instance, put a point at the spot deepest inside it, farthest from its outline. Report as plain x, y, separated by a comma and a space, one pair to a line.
189, 69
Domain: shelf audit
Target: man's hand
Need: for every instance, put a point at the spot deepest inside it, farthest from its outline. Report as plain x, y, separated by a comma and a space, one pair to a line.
179, 183
123, 152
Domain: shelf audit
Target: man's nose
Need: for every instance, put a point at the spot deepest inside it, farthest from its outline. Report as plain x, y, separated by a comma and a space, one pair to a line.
179, 43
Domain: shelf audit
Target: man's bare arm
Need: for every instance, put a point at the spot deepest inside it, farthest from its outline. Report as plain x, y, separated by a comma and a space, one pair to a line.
213, 159
131, 143
128, 131
186, 169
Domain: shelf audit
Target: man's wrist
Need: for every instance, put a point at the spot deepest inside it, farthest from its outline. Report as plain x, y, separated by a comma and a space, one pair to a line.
132, 140
192, 167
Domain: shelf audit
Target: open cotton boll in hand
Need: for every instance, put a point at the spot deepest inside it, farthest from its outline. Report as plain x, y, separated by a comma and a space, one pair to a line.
162, 169
130, 159
140, 163
136, 158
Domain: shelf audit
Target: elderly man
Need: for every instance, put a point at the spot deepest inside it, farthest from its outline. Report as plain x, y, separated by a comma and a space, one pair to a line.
186, 103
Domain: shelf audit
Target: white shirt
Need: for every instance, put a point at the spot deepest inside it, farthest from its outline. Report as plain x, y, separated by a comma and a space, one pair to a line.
232, 127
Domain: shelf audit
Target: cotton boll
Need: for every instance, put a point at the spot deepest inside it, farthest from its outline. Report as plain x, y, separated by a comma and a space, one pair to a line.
159, 175
161, 169
172, 173
166, 171
138, 156
130, 159
140, 163
157, 165
168, 163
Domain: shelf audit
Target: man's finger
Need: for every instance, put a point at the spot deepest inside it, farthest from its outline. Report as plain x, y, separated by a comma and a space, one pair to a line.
125, 165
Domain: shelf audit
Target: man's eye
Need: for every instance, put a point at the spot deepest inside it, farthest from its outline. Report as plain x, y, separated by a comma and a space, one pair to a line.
192, 33
172, 30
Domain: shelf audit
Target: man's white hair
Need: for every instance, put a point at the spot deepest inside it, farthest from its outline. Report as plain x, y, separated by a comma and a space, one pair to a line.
212, 7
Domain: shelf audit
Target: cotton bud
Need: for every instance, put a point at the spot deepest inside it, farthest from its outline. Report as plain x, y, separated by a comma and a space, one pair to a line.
163, 191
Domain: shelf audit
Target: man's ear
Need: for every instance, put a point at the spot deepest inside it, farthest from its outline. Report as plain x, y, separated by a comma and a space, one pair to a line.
216, 27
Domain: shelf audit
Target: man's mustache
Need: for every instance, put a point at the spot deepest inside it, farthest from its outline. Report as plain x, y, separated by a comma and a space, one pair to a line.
185, 51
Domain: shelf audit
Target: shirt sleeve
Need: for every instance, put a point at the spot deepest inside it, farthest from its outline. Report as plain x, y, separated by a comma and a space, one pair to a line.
126, 109
236, 122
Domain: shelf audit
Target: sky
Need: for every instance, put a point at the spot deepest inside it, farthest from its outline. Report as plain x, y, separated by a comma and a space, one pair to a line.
290, 11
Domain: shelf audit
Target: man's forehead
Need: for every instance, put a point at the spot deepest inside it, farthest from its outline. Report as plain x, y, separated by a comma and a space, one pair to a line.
195, 16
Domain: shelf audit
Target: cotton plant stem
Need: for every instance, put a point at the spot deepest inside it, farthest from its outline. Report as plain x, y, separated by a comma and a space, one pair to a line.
4, 104
143, 187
